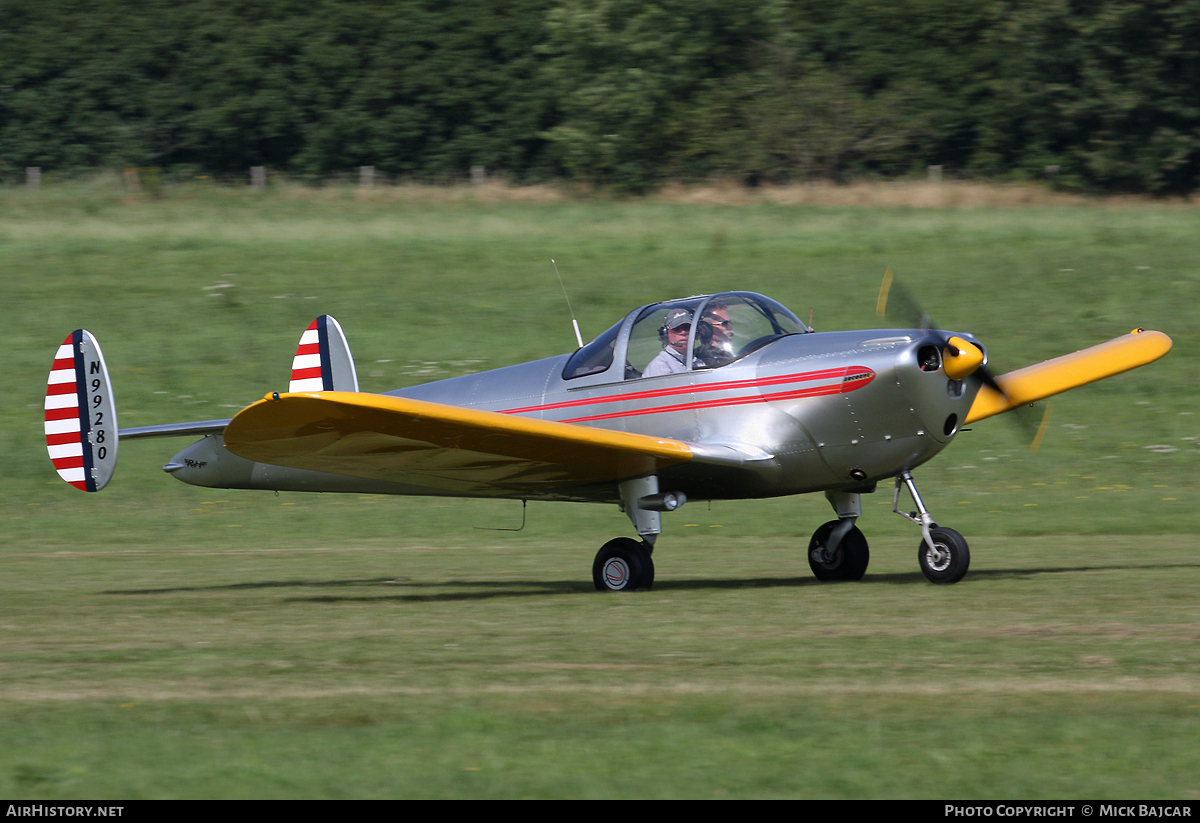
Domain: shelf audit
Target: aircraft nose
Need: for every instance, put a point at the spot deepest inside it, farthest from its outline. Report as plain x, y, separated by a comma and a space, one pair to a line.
933, 373
961, 358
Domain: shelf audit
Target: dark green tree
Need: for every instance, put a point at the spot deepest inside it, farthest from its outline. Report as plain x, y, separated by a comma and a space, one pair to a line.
1108, 92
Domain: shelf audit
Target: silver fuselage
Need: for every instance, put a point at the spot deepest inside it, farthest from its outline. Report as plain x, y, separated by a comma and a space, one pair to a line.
805, 412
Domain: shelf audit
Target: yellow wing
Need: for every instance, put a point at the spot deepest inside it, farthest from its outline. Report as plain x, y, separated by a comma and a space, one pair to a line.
459, 450
1070, 371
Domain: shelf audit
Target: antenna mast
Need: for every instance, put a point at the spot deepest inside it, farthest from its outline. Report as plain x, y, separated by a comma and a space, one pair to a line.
574, 322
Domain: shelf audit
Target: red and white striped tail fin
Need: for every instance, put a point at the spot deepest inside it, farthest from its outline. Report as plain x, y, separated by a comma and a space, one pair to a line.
81, 418
323, 361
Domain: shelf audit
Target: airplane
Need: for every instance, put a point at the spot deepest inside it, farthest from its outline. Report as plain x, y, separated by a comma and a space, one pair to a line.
711, 397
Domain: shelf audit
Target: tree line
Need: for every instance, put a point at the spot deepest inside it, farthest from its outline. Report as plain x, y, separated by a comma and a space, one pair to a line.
1102, 94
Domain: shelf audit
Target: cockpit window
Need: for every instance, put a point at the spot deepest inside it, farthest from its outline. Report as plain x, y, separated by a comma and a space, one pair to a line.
682, 335
595, 357
735, 324
660, 340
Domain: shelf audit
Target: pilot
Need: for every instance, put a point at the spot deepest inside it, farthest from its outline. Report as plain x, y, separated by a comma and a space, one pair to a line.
674, 334
715, 334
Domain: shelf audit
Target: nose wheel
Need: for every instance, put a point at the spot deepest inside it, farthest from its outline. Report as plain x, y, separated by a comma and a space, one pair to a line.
943, 554
945, 560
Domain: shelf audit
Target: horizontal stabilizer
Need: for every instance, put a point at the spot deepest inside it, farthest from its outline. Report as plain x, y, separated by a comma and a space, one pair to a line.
200, 427
323, 361
81, 417
1037, 382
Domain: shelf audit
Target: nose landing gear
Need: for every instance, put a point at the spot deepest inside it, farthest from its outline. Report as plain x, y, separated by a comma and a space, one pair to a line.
946, 560
943, 554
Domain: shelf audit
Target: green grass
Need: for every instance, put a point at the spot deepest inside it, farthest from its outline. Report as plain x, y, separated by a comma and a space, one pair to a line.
394, 669
165, 641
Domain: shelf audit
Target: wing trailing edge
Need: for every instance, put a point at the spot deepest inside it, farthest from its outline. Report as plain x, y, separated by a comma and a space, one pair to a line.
451, 448
1042, 380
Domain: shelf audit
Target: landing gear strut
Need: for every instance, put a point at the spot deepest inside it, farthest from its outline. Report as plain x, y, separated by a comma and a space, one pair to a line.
838, 550
943, 554
623, 564
848, 561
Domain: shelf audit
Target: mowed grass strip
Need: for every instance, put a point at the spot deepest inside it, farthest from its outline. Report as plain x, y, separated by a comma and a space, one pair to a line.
166, 641
409, 671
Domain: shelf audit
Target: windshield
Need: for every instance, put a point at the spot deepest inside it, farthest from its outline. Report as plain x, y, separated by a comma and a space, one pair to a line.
595, 357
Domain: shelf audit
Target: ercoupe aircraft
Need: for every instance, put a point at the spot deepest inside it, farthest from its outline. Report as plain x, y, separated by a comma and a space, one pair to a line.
714, 397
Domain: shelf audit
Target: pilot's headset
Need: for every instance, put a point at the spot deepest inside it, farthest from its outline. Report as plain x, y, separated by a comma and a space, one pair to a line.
673, 320
704, 331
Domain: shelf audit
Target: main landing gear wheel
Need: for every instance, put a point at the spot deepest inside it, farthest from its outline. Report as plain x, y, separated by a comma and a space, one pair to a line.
849, 561
947, 560
622, 565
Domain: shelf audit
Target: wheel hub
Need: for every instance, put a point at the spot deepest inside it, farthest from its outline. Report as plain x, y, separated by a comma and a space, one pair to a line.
822, 555
616, 573
938, 557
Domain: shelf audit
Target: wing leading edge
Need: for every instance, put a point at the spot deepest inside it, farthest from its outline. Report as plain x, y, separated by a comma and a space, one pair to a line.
455, 449
1042, 380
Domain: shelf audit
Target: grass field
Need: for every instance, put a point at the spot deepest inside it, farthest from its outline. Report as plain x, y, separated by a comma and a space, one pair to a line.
164, 641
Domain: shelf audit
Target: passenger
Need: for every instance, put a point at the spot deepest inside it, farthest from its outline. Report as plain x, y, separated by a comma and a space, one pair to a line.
715, 335
674, 334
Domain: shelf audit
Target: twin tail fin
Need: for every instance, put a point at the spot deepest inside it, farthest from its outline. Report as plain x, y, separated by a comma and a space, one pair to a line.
323, 361
81, 416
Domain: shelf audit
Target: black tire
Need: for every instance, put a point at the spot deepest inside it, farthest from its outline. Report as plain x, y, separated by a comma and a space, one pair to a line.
849, 561
949, 558
623, 565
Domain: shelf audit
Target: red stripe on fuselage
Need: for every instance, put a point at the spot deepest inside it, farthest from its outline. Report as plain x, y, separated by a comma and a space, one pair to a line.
725, 385
842, 387
815, 391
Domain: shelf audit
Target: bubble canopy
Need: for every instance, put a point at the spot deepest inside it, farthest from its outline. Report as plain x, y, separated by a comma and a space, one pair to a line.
687, 334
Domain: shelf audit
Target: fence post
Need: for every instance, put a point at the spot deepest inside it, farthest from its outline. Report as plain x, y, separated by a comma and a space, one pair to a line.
935, 174
366, 177
258, 177
33, 177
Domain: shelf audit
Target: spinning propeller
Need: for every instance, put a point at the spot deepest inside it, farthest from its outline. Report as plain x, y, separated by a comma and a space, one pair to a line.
960, 358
